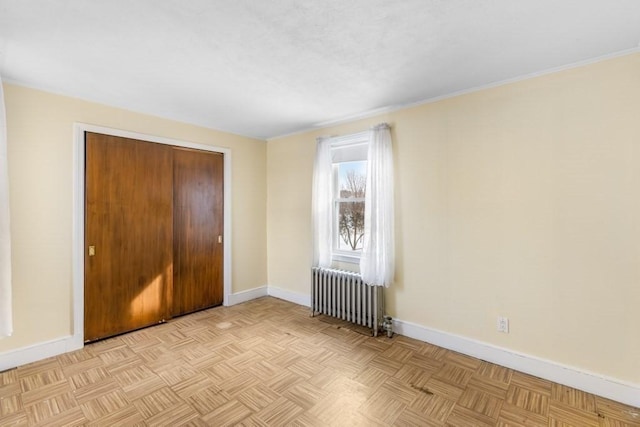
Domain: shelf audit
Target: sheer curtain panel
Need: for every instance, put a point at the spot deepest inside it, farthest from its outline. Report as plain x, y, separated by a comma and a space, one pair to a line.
322, 196
6, 327
377, 262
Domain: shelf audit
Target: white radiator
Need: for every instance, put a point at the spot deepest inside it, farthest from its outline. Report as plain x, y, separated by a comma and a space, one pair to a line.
343, 294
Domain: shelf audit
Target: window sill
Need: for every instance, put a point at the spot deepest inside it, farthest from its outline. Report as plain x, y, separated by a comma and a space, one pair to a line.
342, 257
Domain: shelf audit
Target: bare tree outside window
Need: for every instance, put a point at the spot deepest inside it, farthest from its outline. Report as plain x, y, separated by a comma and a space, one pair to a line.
351, 213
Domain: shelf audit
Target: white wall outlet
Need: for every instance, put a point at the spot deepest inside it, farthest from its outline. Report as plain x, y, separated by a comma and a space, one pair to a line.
503, 324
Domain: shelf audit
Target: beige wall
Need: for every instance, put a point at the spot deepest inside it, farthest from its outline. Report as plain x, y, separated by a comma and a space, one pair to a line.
520, 200
40, 146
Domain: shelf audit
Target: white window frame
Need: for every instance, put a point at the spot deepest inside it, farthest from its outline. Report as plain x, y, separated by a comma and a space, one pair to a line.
344, 149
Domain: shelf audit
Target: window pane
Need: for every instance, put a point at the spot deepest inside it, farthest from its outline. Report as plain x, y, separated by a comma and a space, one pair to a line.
350, 225
352, 179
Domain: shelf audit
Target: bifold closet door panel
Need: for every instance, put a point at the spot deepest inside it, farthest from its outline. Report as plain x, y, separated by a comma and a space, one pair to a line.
128, 234
197, 230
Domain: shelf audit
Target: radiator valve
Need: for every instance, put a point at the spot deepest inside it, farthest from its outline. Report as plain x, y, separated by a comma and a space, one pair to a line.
387, 326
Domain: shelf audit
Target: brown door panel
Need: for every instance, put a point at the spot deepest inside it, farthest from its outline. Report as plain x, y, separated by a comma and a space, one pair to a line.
197, 230
128, 222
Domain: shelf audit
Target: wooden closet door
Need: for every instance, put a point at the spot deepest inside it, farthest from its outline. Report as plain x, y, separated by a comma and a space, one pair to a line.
197, 230
128, 220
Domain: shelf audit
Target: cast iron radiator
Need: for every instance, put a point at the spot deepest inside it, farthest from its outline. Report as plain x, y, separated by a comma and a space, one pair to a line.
343, 294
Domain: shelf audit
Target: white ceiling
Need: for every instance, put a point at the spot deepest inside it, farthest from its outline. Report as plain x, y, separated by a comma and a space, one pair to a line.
267, 68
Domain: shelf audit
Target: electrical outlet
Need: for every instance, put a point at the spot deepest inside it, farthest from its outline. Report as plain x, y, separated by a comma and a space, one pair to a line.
503, 324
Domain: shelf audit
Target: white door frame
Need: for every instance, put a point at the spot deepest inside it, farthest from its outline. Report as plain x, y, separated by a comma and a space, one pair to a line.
79, 130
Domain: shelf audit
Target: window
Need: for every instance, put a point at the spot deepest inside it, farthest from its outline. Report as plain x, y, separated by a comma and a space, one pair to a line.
349, 169
351, 221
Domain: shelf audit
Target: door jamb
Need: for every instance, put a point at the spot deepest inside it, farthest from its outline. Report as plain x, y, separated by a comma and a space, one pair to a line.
78, 215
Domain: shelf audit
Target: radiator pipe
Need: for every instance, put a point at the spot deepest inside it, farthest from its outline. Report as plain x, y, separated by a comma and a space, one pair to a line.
387, 326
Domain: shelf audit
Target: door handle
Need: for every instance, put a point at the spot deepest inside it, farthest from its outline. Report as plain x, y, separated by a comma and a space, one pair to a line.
92, 250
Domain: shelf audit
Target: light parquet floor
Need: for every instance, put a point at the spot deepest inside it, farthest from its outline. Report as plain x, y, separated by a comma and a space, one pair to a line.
268, 363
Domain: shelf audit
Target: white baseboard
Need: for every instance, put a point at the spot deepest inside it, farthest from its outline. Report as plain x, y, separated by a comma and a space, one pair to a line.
590, 382
244, 296
294, 297
33, 353
610, 388
600, 385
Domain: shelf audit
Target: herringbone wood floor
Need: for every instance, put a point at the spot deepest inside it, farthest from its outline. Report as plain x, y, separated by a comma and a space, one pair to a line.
267, 363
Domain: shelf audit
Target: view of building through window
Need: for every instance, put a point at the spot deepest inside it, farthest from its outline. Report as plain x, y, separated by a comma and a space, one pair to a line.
352, 180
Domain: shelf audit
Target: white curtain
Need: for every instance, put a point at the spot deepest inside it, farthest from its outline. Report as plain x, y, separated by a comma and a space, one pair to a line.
6, 327
322, 198
377, 261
